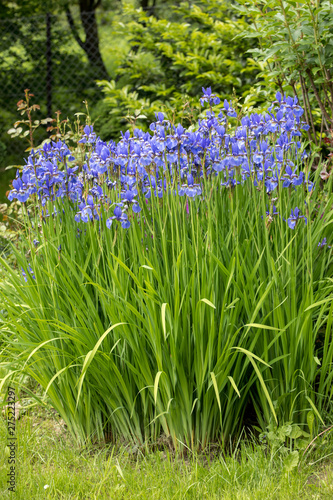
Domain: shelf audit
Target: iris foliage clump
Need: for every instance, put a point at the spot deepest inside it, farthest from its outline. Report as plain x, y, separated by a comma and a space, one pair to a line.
176, 284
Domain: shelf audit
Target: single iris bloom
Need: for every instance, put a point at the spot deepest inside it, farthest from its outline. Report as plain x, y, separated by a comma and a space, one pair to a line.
294, 217
209, 97
120, 217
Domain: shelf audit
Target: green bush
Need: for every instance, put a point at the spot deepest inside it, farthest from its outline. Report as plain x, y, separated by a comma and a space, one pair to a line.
295, 51
171, 59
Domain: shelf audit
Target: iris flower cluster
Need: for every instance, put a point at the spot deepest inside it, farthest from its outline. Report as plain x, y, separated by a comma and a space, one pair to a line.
262, 148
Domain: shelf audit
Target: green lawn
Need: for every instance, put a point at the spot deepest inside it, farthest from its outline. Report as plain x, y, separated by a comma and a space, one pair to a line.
50, 465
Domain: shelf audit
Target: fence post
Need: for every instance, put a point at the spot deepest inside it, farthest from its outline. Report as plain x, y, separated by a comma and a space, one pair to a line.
48, 65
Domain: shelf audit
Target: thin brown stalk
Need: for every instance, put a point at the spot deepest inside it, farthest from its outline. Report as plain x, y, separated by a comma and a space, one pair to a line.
315, 91
330, 101
330, 83
294, 89
308, 113
314, 439
321, 128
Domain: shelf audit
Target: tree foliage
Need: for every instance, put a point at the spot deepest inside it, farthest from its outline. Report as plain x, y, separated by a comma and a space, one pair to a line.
171, 59
296, 50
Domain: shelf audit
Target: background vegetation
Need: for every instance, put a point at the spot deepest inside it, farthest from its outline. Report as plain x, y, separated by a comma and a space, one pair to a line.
158, 57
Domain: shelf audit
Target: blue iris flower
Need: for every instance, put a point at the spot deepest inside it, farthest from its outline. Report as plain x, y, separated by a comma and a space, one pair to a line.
120, 217
209, 97
291, 178
274, 211
88, 136
21, 190
278, 96
129, 196
323, 243
294, 217
88, 210
25, 275
229, 109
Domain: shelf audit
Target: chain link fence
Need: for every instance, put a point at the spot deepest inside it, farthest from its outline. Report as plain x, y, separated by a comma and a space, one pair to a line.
59, 58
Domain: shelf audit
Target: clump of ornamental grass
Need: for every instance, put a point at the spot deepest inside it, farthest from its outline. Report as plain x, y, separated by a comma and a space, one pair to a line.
175, 279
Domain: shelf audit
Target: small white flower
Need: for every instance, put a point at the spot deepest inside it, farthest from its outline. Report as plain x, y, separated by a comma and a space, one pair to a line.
46, 486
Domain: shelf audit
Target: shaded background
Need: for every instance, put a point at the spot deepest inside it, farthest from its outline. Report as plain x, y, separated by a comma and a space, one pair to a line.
157, 56
40, 52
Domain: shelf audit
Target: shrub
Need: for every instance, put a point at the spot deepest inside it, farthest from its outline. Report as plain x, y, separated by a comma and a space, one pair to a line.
295, 45
171, 58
